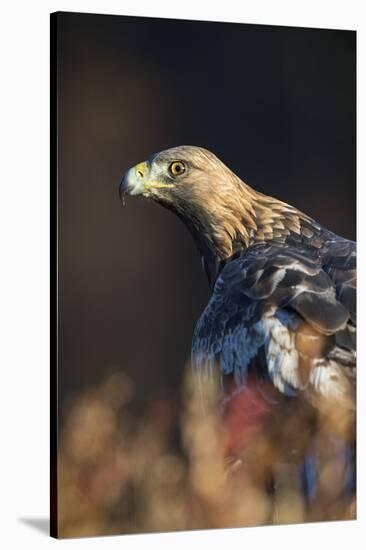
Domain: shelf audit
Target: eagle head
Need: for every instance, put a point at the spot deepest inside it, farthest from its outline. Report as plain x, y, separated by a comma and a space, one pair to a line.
215, 204
180, 175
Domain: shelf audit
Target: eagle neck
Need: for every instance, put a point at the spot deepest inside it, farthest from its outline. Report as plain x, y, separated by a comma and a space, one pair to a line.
234, 218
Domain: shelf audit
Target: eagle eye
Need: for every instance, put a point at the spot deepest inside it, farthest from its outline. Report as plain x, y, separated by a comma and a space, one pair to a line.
177, 168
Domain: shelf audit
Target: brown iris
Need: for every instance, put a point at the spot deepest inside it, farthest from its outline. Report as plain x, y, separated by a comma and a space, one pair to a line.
177, 168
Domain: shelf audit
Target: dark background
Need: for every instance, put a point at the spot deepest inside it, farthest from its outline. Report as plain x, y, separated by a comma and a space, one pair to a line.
276, 104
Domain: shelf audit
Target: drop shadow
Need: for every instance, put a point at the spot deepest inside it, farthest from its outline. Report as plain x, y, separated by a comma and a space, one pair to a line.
40, 524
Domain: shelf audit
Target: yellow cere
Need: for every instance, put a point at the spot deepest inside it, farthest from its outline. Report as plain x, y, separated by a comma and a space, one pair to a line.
141, 170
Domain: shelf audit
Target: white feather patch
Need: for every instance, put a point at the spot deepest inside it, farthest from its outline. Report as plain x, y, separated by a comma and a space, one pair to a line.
282, 356
327, 378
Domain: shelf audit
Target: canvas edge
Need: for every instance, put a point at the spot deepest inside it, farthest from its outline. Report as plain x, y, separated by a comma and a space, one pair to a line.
53, 277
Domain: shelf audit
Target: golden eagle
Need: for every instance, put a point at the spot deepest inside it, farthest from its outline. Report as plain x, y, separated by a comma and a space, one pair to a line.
282, 310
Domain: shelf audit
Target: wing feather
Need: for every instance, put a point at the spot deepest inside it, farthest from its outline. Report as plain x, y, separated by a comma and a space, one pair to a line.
296, 306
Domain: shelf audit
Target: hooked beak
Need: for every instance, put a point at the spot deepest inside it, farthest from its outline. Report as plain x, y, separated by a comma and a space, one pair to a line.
134, 180
137, 181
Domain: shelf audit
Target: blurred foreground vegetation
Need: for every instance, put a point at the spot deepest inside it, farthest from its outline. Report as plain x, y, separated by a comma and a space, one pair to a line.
169, 469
